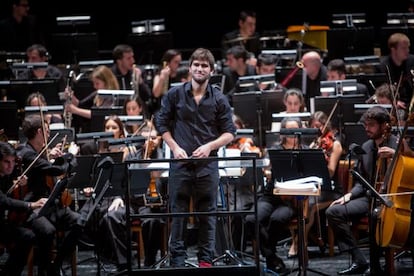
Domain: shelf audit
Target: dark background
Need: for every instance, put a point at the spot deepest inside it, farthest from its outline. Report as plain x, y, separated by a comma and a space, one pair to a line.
198, 24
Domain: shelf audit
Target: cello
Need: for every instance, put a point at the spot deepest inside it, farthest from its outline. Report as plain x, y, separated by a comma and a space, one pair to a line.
394, 222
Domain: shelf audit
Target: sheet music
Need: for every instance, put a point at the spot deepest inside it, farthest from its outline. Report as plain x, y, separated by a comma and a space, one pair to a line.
305, 185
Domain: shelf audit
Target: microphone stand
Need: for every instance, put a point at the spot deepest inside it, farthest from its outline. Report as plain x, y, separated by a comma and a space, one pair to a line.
372, 194
372, 190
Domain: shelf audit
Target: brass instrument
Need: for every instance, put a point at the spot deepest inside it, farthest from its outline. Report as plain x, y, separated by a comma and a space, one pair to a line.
292, 73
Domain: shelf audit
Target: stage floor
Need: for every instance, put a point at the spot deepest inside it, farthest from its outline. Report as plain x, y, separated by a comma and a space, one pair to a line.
317, 263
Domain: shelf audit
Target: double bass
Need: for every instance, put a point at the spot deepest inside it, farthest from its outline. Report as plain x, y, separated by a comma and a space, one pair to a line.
394, 221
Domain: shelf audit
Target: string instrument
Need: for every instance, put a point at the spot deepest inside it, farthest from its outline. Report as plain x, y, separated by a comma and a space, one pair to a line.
153, 197
382, 163
17, 191
327, 138
66, 198
394, 222
244, 142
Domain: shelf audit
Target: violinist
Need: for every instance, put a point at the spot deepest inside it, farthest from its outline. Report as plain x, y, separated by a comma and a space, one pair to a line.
134, 107
45, 164
356, 203
18, 238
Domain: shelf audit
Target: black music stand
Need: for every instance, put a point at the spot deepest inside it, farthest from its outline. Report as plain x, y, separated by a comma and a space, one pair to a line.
8, 109
344, 111
231, 255
267, 102
98, 115
293, 164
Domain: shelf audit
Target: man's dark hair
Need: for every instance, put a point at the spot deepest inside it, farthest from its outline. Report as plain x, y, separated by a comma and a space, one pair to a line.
119, 51
204, 55
266, 59
337, 65
30, 125
244, 14
377, 113
238, 51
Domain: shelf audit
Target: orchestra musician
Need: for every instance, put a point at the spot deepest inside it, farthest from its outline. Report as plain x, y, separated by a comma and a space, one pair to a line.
134, 107
332, 149
18, 238
294, 102
38, 99
356, 203
170, 62
315, 73
46, 165
397, 65
102, 78
128, 75
111, 211
274, 212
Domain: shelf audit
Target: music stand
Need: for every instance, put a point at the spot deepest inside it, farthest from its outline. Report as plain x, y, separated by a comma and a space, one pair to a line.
355, 41
19, 90
344, 111
69, 48
98, 115
267, 102
293, 164
117, 96
8, 109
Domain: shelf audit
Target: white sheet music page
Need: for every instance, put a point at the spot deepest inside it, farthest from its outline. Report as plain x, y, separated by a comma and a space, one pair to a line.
310, 184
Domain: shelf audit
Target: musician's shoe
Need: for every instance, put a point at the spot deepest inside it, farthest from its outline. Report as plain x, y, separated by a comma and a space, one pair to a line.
355, 268
204, 264
275, 264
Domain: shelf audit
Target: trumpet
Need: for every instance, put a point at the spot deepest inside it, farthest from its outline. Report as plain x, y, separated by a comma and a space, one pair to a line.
292, 73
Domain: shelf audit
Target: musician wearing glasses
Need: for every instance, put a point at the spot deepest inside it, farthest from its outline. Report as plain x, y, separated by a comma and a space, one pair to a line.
43, 166
18, 238
355, 204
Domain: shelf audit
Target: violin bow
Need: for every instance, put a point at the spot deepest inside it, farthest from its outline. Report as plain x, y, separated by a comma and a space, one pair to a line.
14, 186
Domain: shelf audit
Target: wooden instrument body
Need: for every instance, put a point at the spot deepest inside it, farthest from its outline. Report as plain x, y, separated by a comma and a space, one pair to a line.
395, 221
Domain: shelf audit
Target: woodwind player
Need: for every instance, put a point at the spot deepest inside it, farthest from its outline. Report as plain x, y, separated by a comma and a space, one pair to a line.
171, 60
125, 70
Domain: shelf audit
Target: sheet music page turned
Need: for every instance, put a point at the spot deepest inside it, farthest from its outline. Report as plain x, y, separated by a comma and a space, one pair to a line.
310, 185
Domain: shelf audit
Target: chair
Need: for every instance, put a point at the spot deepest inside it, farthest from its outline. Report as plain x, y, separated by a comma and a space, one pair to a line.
345, 178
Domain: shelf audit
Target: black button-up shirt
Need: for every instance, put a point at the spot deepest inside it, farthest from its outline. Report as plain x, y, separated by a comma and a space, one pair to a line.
191, 124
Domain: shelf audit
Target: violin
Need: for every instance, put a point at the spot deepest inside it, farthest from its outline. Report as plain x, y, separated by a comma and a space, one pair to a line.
18, 191
244, 144
153, 197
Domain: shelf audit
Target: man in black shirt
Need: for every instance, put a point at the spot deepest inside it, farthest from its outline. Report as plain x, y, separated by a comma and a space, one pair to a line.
195, 120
